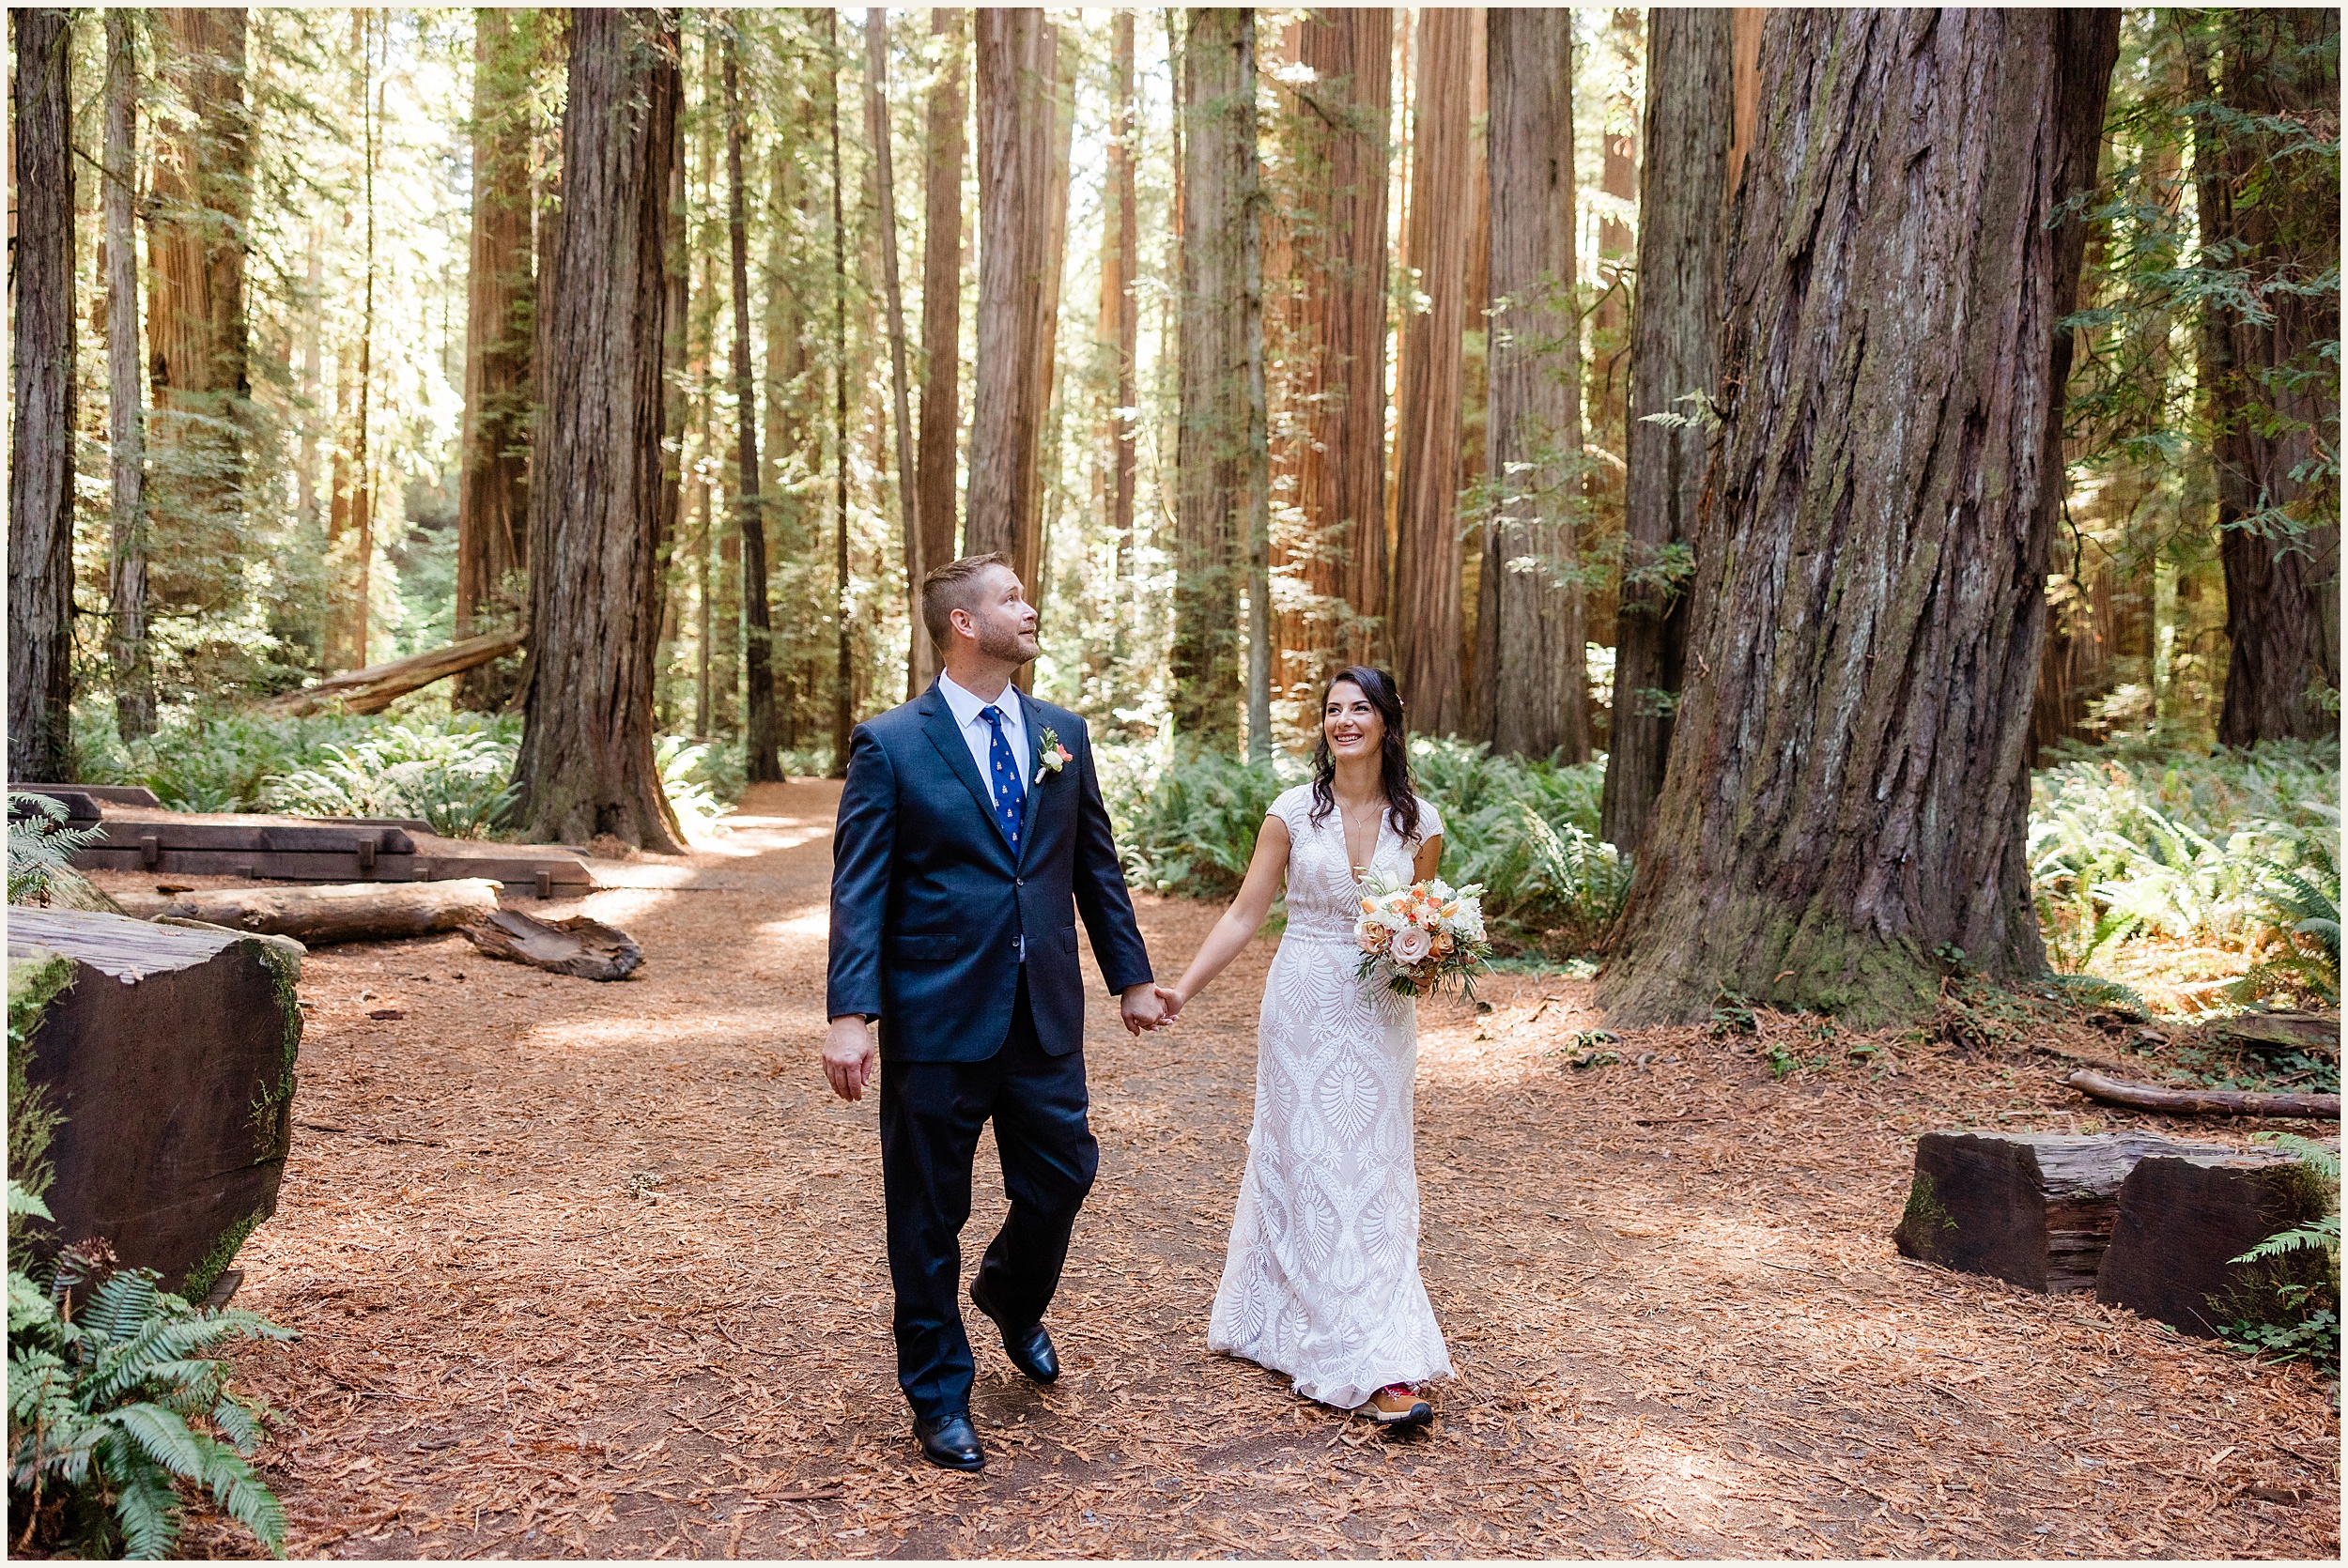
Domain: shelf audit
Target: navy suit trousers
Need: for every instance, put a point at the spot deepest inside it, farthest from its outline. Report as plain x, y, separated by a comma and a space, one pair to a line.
929, 1117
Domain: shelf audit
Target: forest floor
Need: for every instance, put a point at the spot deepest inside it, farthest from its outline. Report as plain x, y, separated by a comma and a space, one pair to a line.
588, 1270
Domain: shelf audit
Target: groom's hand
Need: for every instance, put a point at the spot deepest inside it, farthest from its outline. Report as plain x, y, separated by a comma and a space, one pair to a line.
848, 1052
1141, 1008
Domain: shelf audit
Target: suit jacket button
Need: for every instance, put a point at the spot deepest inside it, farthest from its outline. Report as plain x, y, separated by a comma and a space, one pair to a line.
1019, 882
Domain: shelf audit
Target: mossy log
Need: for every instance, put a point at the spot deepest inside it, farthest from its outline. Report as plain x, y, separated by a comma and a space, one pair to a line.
2034, 1209
167, 1055
2181, 1221
349, 912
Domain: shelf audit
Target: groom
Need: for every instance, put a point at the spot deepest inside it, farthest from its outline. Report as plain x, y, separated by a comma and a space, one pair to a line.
971, 831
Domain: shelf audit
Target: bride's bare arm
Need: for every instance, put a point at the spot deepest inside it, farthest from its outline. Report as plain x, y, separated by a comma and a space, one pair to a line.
1429, 856
1246, 916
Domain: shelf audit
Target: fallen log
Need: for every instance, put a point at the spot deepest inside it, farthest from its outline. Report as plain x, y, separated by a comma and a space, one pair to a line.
2034, 1209
2284, 1031
168, 1056
580, 947
347, 912
376, 687
2184, 1218
2203, 1102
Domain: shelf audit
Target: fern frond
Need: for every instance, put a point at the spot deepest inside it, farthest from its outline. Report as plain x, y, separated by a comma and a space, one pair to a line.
147, 1505
120, 1305
241, 1495
160, 1435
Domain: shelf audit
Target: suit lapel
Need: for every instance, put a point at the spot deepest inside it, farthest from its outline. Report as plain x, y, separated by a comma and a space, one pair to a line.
938, 722
1033, 714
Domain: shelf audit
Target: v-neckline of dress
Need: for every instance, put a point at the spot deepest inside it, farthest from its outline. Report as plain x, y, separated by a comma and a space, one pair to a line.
1377, 842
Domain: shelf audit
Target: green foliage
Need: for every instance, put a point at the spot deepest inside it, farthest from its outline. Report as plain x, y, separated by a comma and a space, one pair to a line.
457, 779
41, 848
686, 769
2288, 1307
2176, 845
34, 982
2301, 938
112, 1406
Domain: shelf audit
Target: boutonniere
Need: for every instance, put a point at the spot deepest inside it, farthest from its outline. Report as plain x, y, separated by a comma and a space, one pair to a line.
1051, 755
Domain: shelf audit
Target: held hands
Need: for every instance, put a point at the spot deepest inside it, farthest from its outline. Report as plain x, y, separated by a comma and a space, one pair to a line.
1145, 1006
848, 1055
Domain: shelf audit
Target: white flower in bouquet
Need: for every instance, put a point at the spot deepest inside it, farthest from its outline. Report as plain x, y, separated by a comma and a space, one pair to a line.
1410, 945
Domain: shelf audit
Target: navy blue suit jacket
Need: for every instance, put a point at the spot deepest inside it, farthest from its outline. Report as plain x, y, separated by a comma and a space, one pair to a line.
931, 907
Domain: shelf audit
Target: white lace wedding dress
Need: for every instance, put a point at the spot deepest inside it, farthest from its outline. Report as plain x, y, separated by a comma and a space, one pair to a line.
1322, 1278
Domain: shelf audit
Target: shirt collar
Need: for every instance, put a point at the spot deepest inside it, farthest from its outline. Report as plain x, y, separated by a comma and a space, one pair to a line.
966, 706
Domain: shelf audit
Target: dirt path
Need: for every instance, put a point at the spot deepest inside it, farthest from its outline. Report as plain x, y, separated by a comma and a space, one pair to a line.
597, 1270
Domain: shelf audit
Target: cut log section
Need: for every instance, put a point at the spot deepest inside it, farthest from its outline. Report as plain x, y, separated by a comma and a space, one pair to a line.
2182, 1219
316, 848
169, 1055
352, 912
2033, 1209
2203, 1102
580, 947
379, 686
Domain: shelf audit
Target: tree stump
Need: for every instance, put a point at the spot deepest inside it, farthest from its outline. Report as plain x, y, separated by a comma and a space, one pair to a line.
2181, 1221
2034, 1209
580, 947
168, 1054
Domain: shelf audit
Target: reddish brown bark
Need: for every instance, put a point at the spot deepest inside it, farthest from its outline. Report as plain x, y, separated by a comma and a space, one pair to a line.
1424, 629
126, 421
1847, 793
492, 525
941, 296
1333, 328
1120, 315
586, 765
759, 759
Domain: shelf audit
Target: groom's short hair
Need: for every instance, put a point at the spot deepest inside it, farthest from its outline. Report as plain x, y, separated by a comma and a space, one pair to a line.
955, 585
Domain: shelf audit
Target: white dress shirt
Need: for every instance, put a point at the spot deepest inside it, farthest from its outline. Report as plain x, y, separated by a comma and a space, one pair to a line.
979, 737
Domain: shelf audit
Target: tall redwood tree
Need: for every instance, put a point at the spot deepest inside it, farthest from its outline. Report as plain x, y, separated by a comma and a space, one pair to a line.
1847, 798
586, 767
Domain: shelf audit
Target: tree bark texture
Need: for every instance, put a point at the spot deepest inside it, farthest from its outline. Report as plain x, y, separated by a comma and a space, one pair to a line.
40, 458
1529, 620
493, 492
586, 765
920, 659
126, 420
350, 510
1334, 467
1847, 790
1423, 609
1211, 452
941, 296
2273, 214
198, 206
1018, 64
843, 672
1684, 201
760, 763
1120, 314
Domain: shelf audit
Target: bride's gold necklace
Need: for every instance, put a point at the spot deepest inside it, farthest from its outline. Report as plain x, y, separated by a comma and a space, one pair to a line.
1353, 819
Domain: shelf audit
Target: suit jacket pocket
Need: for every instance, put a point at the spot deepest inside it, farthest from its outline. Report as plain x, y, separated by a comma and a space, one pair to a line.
1068, 938
924, 947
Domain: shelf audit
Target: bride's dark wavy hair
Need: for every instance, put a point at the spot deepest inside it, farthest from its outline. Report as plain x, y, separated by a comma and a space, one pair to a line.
1394, 755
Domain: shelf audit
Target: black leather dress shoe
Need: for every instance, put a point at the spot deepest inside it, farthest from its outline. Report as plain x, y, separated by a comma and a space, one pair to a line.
950, 1443
1030, 1349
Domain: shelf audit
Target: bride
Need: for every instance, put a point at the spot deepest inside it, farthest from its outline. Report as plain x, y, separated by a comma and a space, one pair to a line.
1322, 1282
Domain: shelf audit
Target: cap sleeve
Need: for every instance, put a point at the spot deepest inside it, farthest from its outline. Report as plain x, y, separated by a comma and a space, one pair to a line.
1286, 807
1430, 819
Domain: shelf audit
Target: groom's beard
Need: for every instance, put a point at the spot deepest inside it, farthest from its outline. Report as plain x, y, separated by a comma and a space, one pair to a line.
1009, 645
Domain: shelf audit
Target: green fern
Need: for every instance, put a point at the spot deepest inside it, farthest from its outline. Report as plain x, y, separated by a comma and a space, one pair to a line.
40, 847
109, 1401
2302, 937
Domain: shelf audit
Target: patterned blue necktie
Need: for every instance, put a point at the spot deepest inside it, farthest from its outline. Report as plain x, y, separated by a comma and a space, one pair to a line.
1010, 787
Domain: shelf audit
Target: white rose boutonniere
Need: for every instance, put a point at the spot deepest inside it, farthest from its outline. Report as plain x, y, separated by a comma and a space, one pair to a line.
1050, 755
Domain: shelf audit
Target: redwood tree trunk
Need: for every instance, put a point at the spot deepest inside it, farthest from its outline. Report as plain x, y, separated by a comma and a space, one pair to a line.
1847, 790
1120, 314
40, 459
198, 205
1424, 629
941, 297
1335, 339
1018, 63
492, 522
1211, 505
920, 660
586, 765
1529, 622
2272, 212
126, 421
1683, 244
760, 763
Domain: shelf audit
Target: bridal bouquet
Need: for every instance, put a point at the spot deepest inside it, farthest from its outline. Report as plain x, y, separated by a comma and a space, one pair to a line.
1414, 938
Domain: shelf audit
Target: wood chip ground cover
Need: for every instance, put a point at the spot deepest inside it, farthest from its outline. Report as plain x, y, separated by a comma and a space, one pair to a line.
597, 1270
